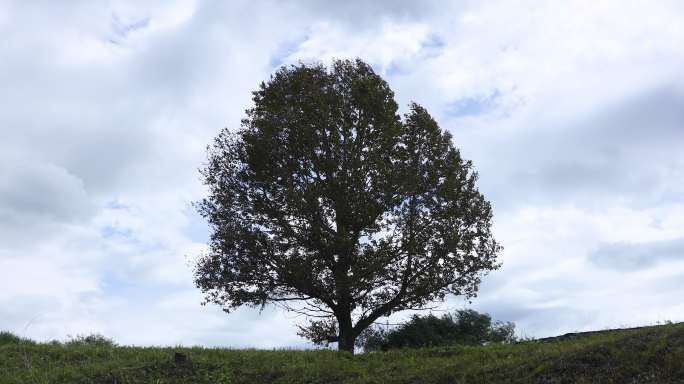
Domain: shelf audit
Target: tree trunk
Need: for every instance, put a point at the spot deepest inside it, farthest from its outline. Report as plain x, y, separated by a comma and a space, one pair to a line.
346, 338
346, 341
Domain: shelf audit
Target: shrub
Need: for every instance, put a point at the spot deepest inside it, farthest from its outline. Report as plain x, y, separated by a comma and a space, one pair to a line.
92, 340
10, 338
464, 327
502, 332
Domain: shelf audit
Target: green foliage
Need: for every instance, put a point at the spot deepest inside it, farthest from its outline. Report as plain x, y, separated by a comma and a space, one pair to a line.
502, 332
10, 338
464, 327
319, 331
94, 339
329, 203
650, 355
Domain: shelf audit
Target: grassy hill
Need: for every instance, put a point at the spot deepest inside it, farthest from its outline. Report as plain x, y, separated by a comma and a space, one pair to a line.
646, 355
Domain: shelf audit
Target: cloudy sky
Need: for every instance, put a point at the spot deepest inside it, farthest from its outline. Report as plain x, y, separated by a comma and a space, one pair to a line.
572, 111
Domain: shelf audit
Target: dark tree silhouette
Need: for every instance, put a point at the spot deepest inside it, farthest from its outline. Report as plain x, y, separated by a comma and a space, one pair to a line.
327, 203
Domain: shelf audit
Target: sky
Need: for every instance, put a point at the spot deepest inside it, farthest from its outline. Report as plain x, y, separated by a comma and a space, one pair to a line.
572, 112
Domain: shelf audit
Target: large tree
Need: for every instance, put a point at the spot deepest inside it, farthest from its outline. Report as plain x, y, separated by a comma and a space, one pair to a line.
328, 203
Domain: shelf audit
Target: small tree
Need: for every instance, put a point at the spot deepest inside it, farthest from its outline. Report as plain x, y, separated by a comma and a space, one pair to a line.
327, 203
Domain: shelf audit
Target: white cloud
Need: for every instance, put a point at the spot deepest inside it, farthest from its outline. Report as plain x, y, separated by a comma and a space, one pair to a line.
549, 269
384, 45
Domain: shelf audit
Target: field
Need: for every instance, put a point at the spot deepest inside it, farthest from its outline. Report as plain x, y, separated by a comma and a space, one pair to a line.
647, 355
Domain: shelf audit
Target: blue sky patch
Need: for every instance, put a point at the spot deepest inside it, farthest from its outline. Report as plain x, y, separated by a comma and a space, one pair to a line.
473, 106
285, 50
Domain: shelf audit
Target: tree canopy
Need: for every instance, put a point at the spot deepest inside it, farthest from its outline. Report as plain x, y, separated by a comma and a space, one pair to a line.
330, 204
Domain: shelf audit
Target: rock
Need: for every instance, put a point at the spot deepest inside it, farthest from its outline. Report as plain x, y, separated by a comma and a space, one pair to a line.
180, 358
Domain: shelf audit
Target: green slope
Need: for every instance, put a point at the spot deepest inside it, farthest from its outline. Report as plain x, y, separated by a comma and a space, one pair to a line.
646, 355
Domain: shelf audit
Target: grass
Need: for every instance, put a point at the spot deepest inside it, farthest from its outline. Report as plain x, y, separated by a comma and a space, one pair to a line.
646, 355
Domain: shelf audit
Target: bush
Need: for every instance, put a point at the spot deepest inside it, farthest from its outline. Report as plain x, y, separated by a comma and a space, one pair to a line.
464, 327
92, 340
10, 338
502, 332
